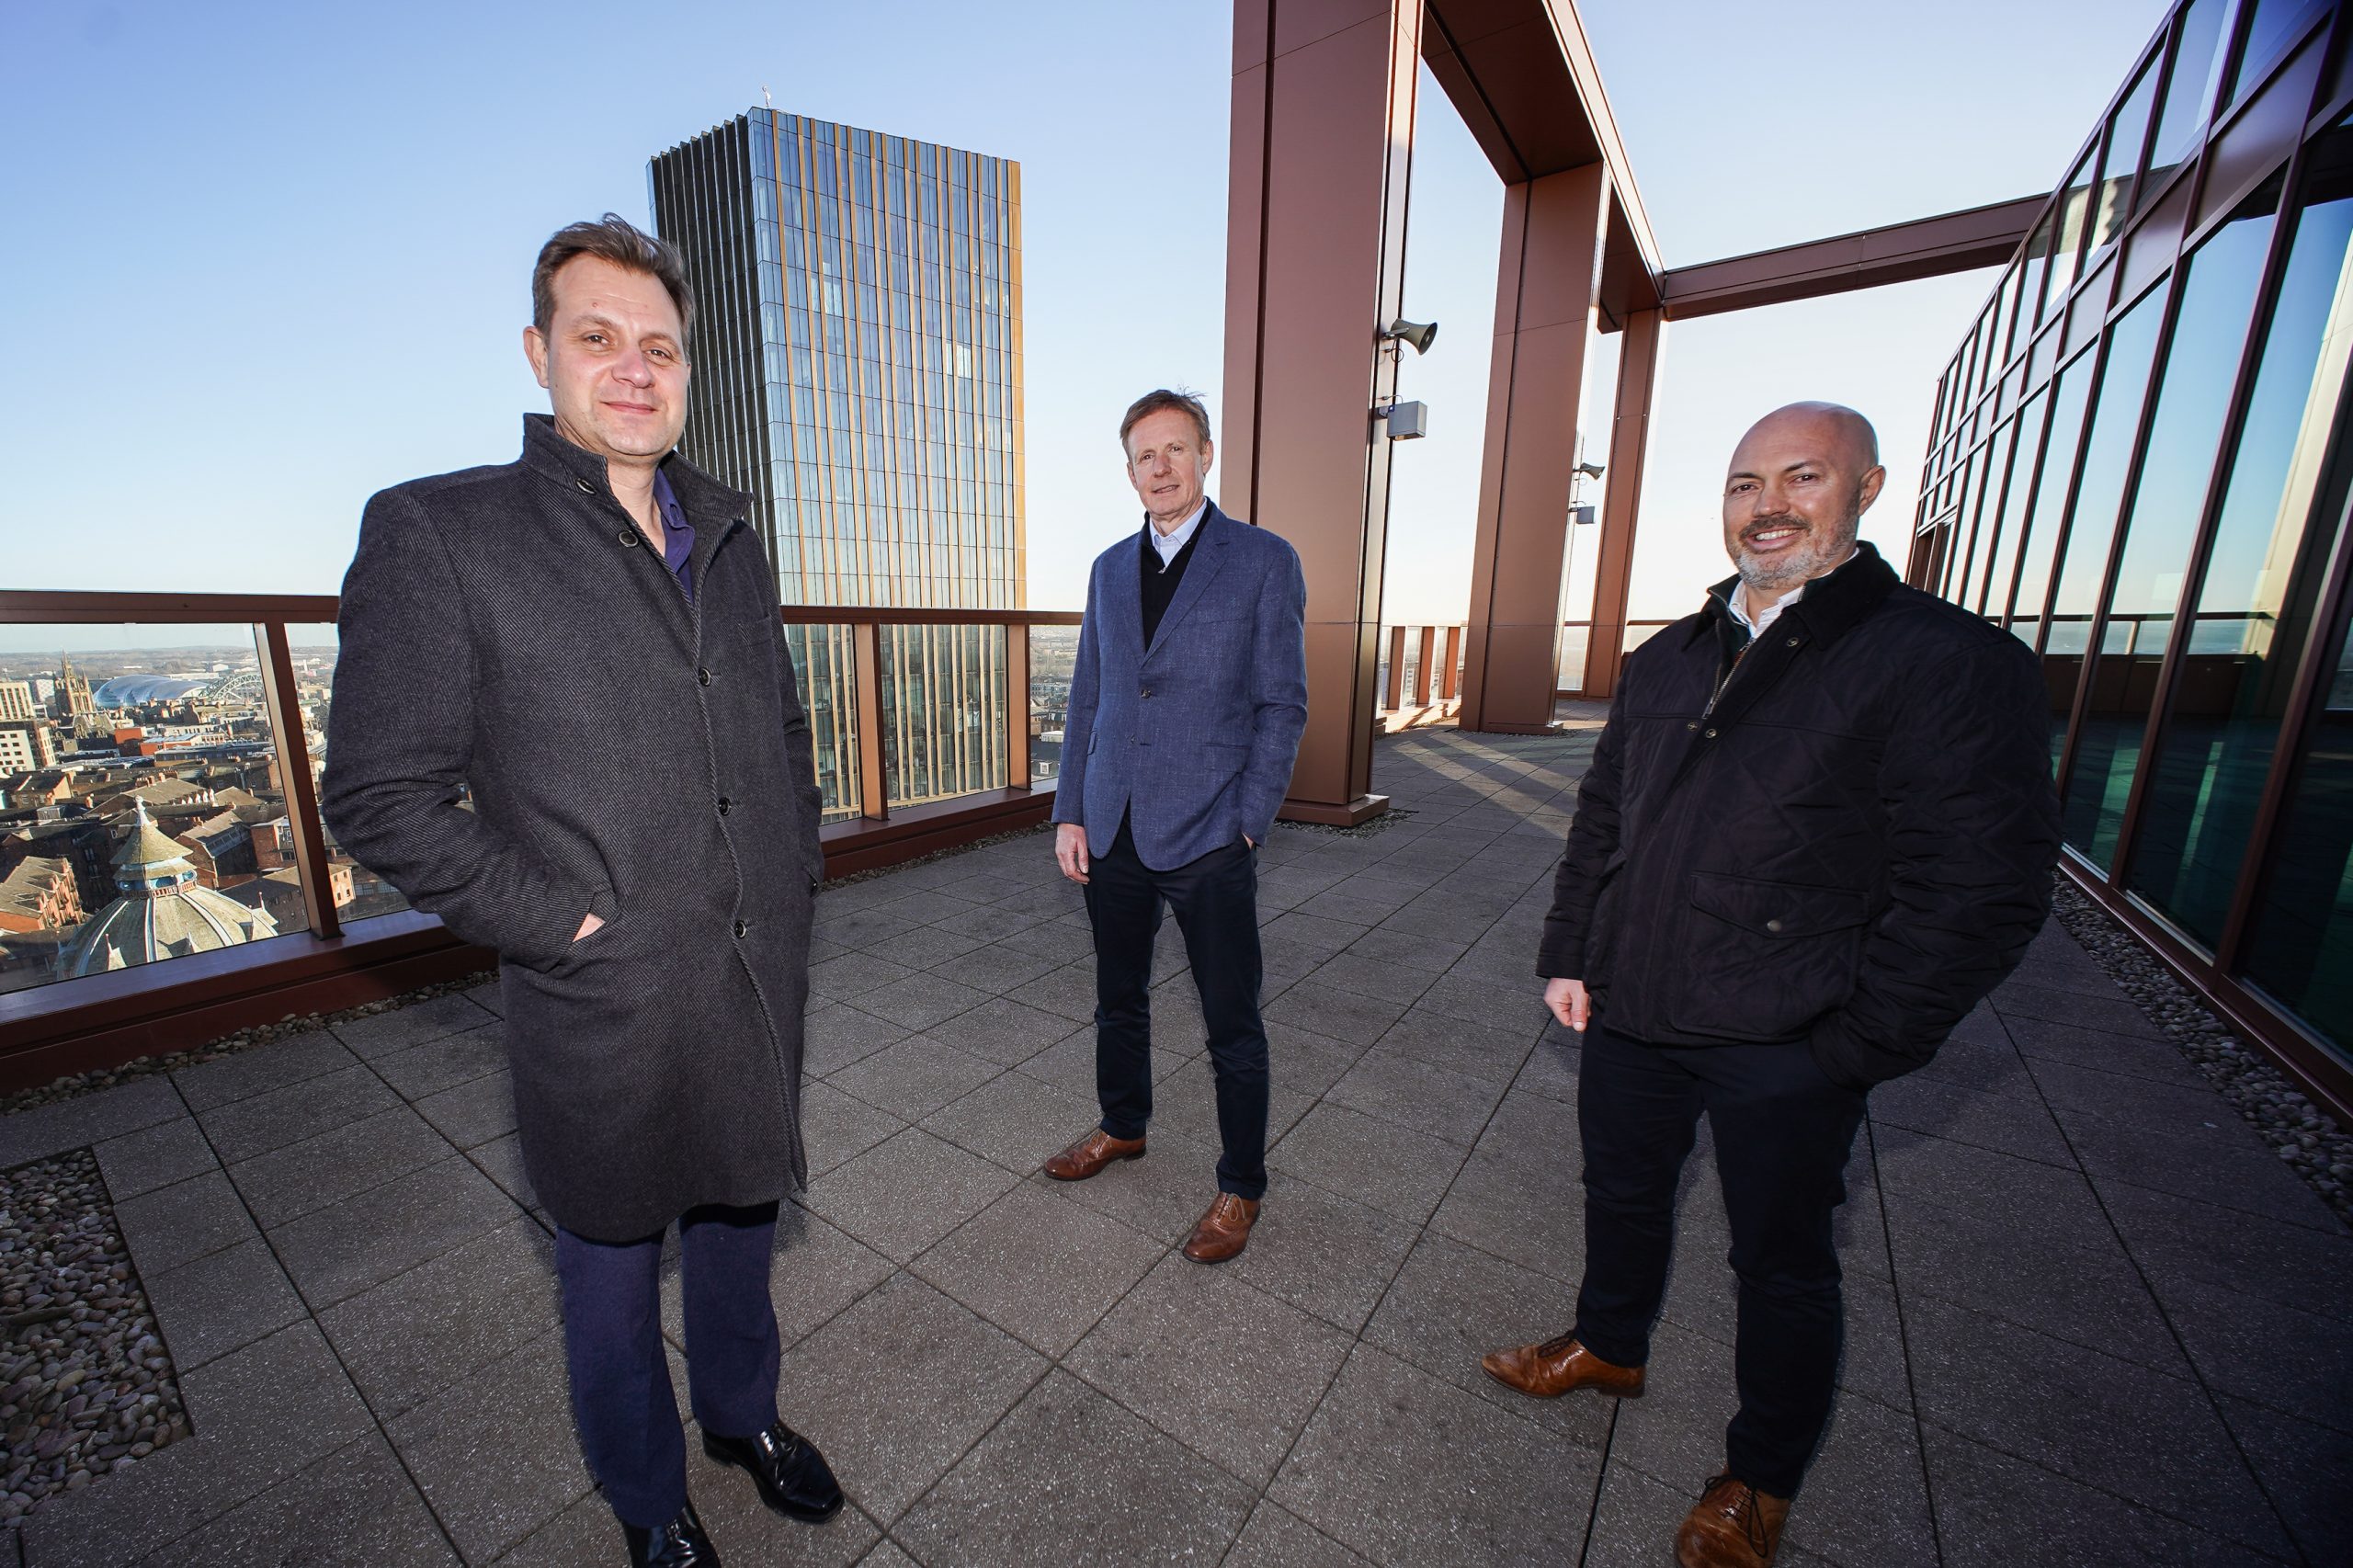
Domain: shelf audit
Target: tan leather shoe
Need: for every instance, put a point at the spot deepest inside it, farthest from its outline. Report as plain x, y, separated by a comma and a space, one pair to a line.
1224, 1231
1091, 1153
1557, 1367
1732, 1525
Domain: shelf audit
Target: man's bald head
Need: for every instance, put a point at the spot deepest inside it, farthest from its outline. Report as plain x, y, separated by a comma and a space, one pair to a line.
1796, 491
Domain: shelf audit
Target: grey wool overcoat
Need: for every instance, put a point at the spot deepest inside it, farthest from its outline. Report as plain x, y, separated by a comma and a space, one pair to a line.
630, 754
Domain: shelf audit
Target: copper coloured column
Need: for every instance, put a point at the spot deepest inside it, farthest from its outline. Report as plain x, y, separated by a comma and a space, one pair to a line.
1621, 503
1547, 274
1316, 267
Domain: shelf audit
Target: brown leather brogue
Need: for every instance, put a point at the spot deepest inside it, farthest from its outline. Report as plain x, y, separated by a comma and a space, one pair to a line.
1091, 1153
1732, 1525
1224, 1231
1561, 1366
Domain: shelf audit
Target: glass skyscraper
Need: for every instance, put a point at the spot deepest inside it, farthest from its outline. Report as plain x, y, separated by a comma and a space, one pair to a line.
2139, 465
856, 355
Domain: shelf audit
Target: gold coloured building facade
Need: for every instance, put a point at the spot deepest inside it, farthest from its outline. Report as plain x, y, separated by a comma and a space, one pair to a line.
858, 370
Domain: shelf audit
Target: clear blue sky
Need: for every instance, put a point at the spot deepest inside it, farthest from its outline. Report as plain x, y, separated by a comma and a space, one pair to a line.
267, 258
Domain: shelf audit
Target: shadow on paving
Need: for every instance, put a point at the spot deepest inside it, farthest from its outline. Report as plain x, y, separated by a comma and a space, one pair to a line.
2091, 1319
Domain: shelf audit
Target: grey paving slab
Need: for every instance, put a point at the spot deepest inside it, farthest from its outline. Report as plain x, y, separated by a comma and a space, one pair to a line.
921, 1001
408, 1339
2085, 1291
1409, 949
411, 1025
1357, 974
310, 1054
1392, 1168
855, 973
184, 1221
896, 1388
494, 1455
2028, 1193
837, 1126
1013, 1121
2306, 1469
1996, 1510
1019, 959
1473, 1049
242, 1129
2266, 1354
93, 1119
2176, 1240
1005, 1031
1410, 1093
2100, 1006
259, 1416
1451, 1304
1404, 1468
2183, 1108
1276, 1538
2011, 1124
1186, 1101
1324, 1254
1018, 1500
1306, 1063
1161, 1195
1069, 990
355, 1508
221, 1302
444, 1063
915, 1077
1346, 1015
2232, 1166
1043, 1270
290, 1182
835, 1034
501, 1160
1214, 1362
2142, 1435
1521, 1194
2099, 1050
154, 1156
473, 1113
907, 1192
340, 1250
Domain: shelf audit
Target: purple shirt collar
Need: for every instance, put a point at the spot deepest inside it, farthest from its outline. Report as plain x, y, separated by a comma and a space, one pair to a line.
678, 549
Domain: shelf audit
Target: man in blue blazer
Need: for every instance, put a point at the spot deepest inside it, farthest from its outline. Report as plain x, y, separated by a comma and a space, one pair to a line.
1185, 710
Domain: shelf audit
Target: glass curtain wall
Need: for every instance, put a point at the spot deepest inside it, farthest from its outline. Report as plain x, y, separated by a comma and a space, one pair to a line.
2146, 480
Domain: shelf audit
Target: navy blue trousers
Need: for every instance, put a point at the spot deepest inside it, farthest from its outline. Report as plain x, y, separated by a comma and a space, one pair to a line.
1216, 901
621, 1394
1782, 1133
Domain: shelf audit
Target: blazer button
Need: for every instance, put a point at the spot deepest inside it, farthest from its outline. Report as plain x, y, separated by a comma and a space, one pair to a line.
742, 927
584, 487
723, 803
1772, 925
1147, 691
702, 677
1793, 641
628, 539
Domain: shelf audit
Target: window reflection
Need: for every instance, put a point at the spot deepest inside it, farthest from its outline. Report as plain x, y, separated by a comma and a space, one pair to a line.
2039, 547
2263, 577
2202, 364
2029, 432
2189, 90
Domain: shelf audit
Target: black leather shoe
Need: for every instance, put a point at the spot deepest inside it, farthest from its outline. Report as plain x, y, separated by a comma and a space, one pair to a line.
678, 1545
793, 1476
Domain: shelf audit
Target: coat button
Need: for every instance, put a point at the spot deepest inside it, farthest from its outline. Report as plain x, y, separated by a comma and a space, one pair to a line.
1147, 691
723, 804
628, 539
742, 927
1772, 925
584, 487
1793, 641
1691, 723
1711, 733
702, 677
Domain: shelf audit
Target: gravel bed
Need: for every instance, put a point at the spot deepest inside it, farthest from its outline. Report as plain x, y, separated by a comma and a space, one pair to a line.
86, 1388
2306, 1137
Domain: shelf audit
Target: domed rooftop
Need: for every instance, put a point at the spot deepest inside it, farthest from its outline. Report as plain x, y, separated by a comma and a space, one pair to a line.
162, 911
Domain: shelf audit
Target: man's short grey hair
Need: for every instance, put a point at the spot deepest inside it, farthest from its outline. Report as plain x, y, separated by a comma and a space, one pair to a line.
1161, 401
615, 239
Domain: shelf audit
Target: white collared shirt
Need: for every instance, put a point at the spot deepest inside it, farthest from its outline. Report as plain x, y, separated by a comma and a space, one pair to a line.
1773, 612
1167, 545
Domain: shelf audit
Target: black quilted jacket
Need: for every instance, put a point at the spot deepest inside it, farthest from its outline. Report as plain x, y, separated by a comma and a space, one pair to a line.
1842, 832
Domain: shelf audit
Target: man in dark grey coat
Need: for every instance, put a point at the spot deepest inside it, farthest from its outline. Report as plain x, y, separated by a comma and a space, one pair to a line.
585, 641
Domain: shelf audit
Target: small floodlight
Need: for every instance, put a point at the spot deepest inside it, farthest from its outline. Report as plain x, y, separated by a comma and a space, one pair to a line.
1420, 333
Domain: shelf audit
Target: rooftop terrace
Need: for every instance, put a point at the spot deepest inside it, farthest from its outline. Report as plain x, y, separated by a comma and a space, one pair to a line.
2091, 1318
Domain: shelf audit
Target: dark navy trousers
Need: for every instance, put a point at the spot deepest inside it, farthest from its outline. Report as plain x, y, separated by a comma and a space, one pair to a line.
1782, 1132
620, 1375
1216, 901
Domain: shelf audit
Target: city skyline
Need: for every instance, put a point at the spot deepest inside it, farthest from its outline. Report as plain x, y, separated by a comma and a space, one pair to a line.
1125, 279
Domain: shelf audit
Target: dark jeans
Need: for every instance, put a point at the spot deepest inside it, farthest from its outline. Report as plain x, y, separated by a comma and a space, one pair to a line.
620, 1376
1216, 901
1782, 1134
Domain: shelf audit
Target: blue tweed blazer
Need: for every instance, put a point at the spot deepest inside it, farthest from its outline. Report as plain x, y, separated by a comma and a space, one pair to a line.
1192, 738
